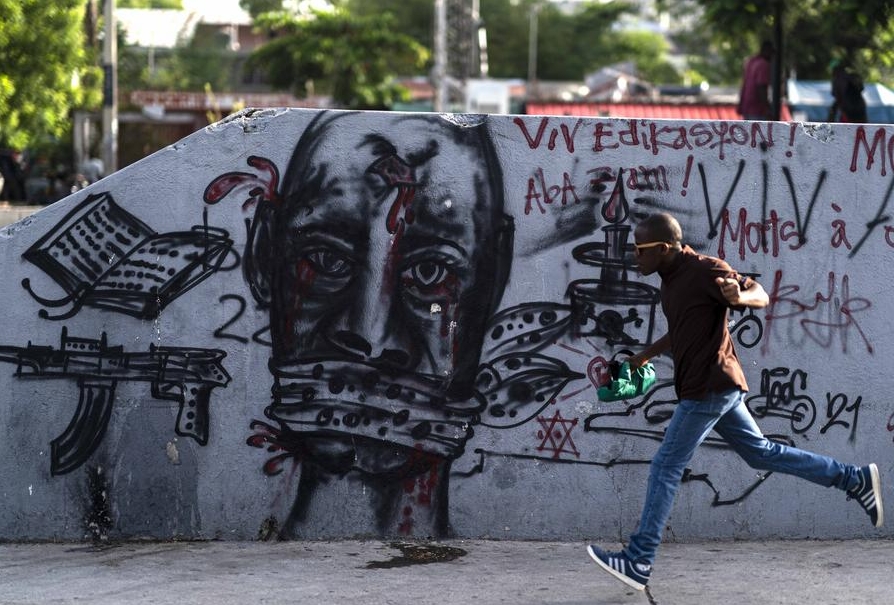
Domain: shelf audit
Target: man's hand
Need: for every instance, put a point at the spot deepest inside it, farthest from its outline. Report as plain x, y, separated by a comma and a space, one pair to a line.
637, 361
755, 296
730, 289
662, 345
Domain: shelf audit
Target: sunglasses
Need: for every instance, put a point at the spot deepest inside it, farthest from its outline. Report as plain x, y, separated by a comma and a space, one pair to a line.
637, 248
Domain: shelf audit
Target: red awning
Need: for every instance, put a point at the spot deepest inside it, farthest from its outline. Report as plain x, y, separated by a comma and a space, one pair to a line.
663, 111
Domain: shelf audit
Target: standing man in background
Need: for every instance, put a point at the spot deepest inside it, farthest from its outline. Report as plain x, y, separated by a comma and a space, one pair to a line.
753, 97
847, 92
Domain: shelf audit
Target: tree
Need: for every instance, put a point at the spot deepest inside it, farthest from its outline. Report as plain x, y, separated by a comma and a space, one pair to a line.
414, 18
47, 70
256, 8
351, 58
172, 4
813, 32
649, 53
207, 60
571, 43
204, 59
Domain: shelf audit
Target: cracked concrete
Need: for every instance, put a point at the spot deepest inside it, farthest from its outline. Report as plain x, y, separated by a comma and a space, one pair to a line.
482, 572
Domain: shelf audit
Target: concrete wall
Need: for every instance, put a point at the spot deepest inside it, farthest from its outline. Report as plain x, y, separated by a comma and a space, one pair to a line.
308, 324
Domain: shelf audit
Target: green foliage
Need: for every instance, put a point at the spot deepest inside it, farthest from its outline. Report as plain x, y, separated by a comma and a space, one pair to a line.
573, 44
349, 57
507, 38
47, 70
813, 31
204, 59
858, 32
570, 44
649, 51
172, 4
414, 18
259, 7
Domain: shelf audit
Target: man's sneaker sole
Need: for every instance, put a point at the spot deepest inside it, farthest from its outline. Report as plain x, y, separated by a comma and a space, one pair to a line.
619, 574
877, 495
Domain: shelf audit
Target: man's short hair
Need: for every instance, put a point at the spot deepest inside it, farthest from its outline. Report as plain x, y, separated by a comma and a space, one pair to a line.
663, 227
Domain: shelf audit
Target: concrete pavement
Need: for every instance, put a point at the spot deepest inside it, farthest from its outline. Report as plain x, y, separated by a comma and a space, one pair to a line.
440, 573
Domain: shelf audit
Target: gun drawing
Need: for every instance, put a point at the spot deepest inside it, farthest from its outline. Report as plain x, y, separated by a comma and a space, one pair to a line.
182, 374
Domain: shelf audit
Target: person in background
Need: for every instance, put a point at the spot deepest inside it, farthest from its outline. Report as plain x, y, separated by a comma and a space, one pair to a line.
847, 92
12, 176
92, 169
696, 293
753, 96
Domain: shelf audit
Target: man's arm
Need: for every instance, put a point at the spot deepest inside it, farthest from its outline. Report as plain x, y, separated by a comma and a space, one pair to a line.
754, 296
656, 348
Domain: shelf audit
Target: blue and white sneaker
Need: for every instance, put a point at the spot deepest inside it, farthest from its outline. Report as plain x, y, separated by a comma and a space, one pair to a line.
620, 566
869, 494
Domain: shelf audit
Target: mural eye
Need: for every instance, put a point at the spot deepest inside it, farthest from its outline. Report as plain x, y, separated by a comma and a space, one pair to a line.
427, 273
429, 279
329, 263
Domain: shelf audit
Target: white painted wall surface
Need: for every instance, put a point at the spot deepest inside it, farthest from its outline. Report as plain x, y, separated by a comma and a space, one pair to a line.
550, 461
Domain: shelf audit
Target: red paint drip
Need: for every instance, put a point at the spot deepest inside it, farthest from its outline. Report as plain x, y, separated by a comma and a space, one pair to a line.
420, 486
261, 187
306, 276
401, 203
393, 261
275, 440
792, 128
397, 173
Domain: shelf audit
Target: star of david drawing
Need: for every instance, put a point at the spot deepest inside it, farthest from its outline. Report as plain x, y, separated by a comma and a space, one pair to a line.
556, 435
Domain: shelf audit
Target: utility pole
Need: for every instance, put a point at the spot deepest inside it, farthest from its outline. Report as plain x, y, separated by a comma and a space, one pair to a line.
440, 69
483, 63
460, 49
478, 47
532, 49
778, 65
110, 90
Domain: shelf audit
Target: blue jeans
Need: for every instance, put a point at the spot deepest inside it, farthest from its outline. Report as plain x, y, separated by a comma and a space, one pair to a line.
727, 414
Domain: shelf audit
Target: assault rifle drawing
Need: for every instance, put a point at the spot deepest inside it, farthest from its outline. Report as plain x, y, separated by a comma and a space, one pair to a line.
182, 374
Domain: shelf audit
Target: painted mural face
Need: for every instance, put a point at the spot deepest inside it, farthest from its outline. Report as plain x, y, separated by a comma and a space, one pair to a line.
368, 273
390, 258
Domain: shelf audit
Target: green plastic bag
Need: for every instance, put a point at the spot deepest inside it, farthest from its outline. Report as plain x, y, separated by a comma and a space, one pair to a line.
629, 383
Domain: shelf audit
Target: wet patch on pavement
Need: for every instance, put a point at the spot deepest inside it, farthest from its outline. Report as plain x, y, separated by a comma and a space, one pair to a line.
418, 554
